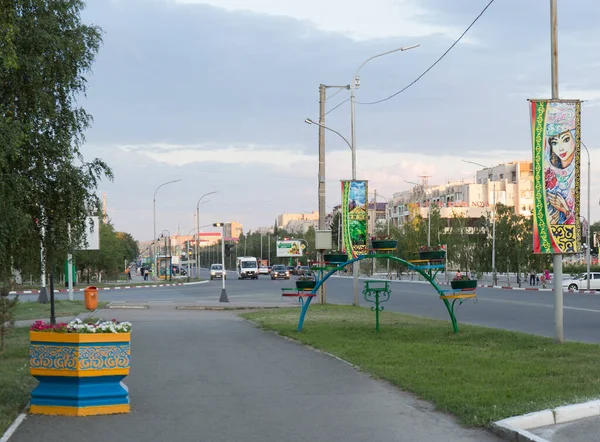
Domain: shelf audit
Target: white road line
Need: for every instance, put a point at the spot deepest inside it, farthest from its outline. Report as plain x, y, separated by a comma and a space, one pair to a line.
13, 427
533, 304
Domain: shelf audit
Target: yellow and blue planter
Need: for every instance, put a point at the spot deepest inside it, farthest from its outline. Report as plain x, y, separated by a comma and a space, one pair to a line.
80, 374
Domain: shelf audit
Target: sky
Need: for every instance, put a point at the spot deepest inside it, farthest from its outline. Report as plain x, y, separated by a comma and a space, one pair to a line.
215, 93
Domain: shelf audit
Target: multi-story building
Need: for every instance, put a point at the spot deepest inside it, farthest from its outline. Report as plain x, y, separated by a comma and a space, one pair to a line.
233, 230
298, 222
510, 184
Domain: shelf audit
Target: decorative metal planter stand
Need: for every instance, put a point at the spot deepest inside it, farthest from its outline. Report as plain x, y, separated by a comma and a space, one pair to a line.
377, 292
428, 268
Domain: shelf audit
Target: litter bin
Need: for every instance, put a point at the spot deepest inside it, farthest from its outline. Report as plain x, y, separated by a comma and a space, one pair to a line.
90, 297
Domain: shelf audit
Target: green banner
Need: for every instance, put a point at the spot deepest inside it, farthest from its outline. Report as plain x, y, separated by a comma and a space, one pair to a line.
355, 217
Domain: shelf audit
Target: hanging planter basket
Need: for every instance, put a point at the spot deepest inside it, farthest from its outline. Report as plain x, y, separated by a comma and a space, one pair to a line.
335, 257
464, 284
432, 254
384, 244
305, 284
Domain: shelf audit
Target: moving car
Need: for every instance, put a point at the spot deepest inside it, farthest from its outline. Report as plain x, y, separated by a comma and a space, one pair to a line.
216, 271
579, 282
303, 270
292, 270
280, 271
263, 270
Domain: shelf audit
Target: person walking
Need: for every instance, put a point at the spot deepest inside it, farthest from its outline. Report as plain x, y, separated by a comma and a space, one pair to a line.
532, 277
127, 273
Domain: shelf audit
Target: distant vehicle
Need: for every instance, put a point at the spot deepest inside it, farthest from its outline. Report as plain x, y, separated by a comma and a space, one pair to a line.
179, 270
579, 282
264, 270
247, 267
280, 271
292, 270
270, 268
303, 270
216, 271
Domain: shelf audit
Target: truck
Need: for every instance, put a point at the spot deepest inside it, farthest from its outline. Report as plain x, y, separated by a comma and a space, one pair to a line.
247, 267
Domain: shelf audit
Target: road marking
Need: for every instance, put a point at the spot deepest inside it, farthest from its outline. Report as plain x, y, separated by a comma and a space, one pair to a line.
533, 304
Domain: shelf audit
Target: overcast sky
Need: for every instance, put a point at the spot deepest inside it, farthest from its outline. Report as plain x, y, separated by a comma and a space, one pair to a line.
215, 92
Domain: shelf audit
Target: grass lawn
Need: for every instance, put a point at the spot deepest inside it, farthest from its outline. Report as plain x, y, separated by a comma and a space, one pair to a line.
15, 381
35, 310
480, 375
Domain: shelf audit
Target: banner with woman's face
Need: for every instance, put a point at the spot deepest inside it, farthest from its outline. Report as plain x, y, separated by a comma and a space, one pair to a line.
556, 129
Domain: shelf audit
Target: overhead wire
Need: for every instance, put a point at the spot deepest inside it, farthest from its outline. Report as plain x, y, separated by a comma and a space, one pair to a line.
435, 63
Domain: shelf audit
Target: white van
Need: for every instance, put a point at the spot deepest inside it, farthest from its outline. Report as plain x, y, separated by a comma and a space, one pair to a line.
247, 267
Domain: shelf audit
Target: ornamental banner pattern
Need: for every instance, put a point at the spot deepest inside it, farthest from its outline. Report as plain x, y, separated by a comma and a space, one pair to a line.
354, 217
73, 357
556, 143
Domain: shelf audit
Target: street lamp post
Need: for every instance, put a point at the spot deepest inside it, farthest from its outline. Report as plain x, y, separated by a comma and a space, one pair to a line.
589, 242
353, 85
154, 219
494, 275
167, 248
198, 227
223, 297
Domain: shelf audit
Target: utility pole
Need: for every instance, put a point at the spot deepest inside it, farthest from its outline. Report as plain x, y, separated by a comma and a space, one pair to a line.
321, 177
557, 259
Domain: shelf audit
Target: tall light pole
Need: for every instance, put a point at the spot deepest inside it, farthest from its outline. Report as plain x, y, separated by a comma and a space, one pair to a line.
353, 85
589, 221
494, 275
223, 297
198, 227
167, 248
557, 258
428, 211
154, 218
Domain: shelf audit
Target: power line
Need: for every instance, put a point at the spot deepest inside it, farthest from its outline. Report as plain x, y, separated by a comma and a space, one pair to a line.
334, 108
436, 62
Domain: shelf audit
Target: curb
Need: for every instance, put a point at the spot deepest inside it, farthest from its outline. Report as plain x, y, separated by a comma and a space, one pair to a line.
13, 427
121, 287
516, 428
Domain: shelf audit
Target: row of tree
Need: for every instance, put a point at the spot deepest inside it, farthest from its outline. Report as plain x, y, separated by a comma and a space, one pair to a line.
47, 187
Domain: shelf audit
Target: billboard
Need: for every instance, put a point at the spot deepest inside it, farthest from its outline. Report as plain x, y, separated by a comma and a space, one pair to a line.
289, 248
556, 132
355, 217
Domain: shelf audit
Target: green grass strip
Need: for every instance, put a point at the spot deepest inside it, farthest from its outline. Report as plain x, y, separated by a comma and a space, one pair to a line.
35, 310
480, 375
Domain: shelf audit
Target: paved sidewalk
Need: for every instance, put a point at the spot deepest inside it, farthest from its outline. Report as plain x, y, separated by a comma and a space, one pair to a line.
211, 376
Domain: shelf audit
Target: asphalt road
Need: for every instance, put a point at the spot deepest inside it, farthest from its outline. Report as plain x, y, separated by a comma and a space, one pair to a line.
525, 311
211, 376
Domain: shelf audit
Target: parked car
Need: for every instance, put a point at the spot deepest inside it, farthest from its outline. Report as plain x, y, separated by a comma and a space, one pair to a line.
216, 271
280, 271
264, 270
579, 282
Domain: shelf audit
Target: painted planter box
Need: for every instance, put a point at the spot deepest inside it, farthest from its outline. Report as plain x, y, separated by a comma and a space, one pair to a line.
383, 244
464, 284
335, 257
80, 374
432, 254
306, 284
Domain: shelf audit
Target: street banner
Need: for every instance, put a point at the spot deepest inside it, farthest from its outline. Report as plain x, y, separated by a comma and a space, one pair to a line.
289, 248
355, 216
556, 132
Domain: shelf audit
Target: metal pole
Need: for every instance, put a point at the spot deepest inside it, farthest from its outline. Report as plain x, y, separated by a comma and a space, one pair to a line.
321, 177
70, 266
224, 274
557, 259
588, 239
428, 220
494, 274
355, 264
154, 219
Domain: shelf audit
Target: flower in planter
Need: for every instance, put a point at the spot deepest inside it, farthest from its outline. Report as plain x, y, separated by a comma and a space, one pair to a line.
78, 326
306, 278
431, 248
461, 277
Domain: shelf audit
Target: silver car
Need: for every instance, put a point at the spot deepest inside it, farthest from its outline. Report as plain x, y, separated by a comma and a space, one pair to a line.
579, 282
216, 271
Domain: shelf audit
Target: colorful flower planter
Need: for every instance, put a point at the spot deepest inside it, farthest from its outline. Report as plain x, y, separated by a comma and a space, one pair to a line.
384, 244
306, 284
464, 284
80, 374
335, 257
432, 254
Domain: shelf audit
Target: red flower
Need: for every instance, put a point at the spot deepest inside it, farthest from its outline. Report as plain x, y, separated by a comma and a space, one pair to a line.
551, 180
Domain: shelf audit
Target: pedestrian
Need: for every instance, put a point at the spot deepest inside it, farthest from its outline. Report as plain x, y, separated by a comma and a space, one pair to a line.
532, 277
127, 273
537, 279
458, 275
547, 275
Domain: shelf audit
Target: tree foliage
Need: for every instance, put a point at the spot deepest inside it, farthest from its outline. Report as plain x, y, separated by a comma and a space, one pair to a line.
46, 51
